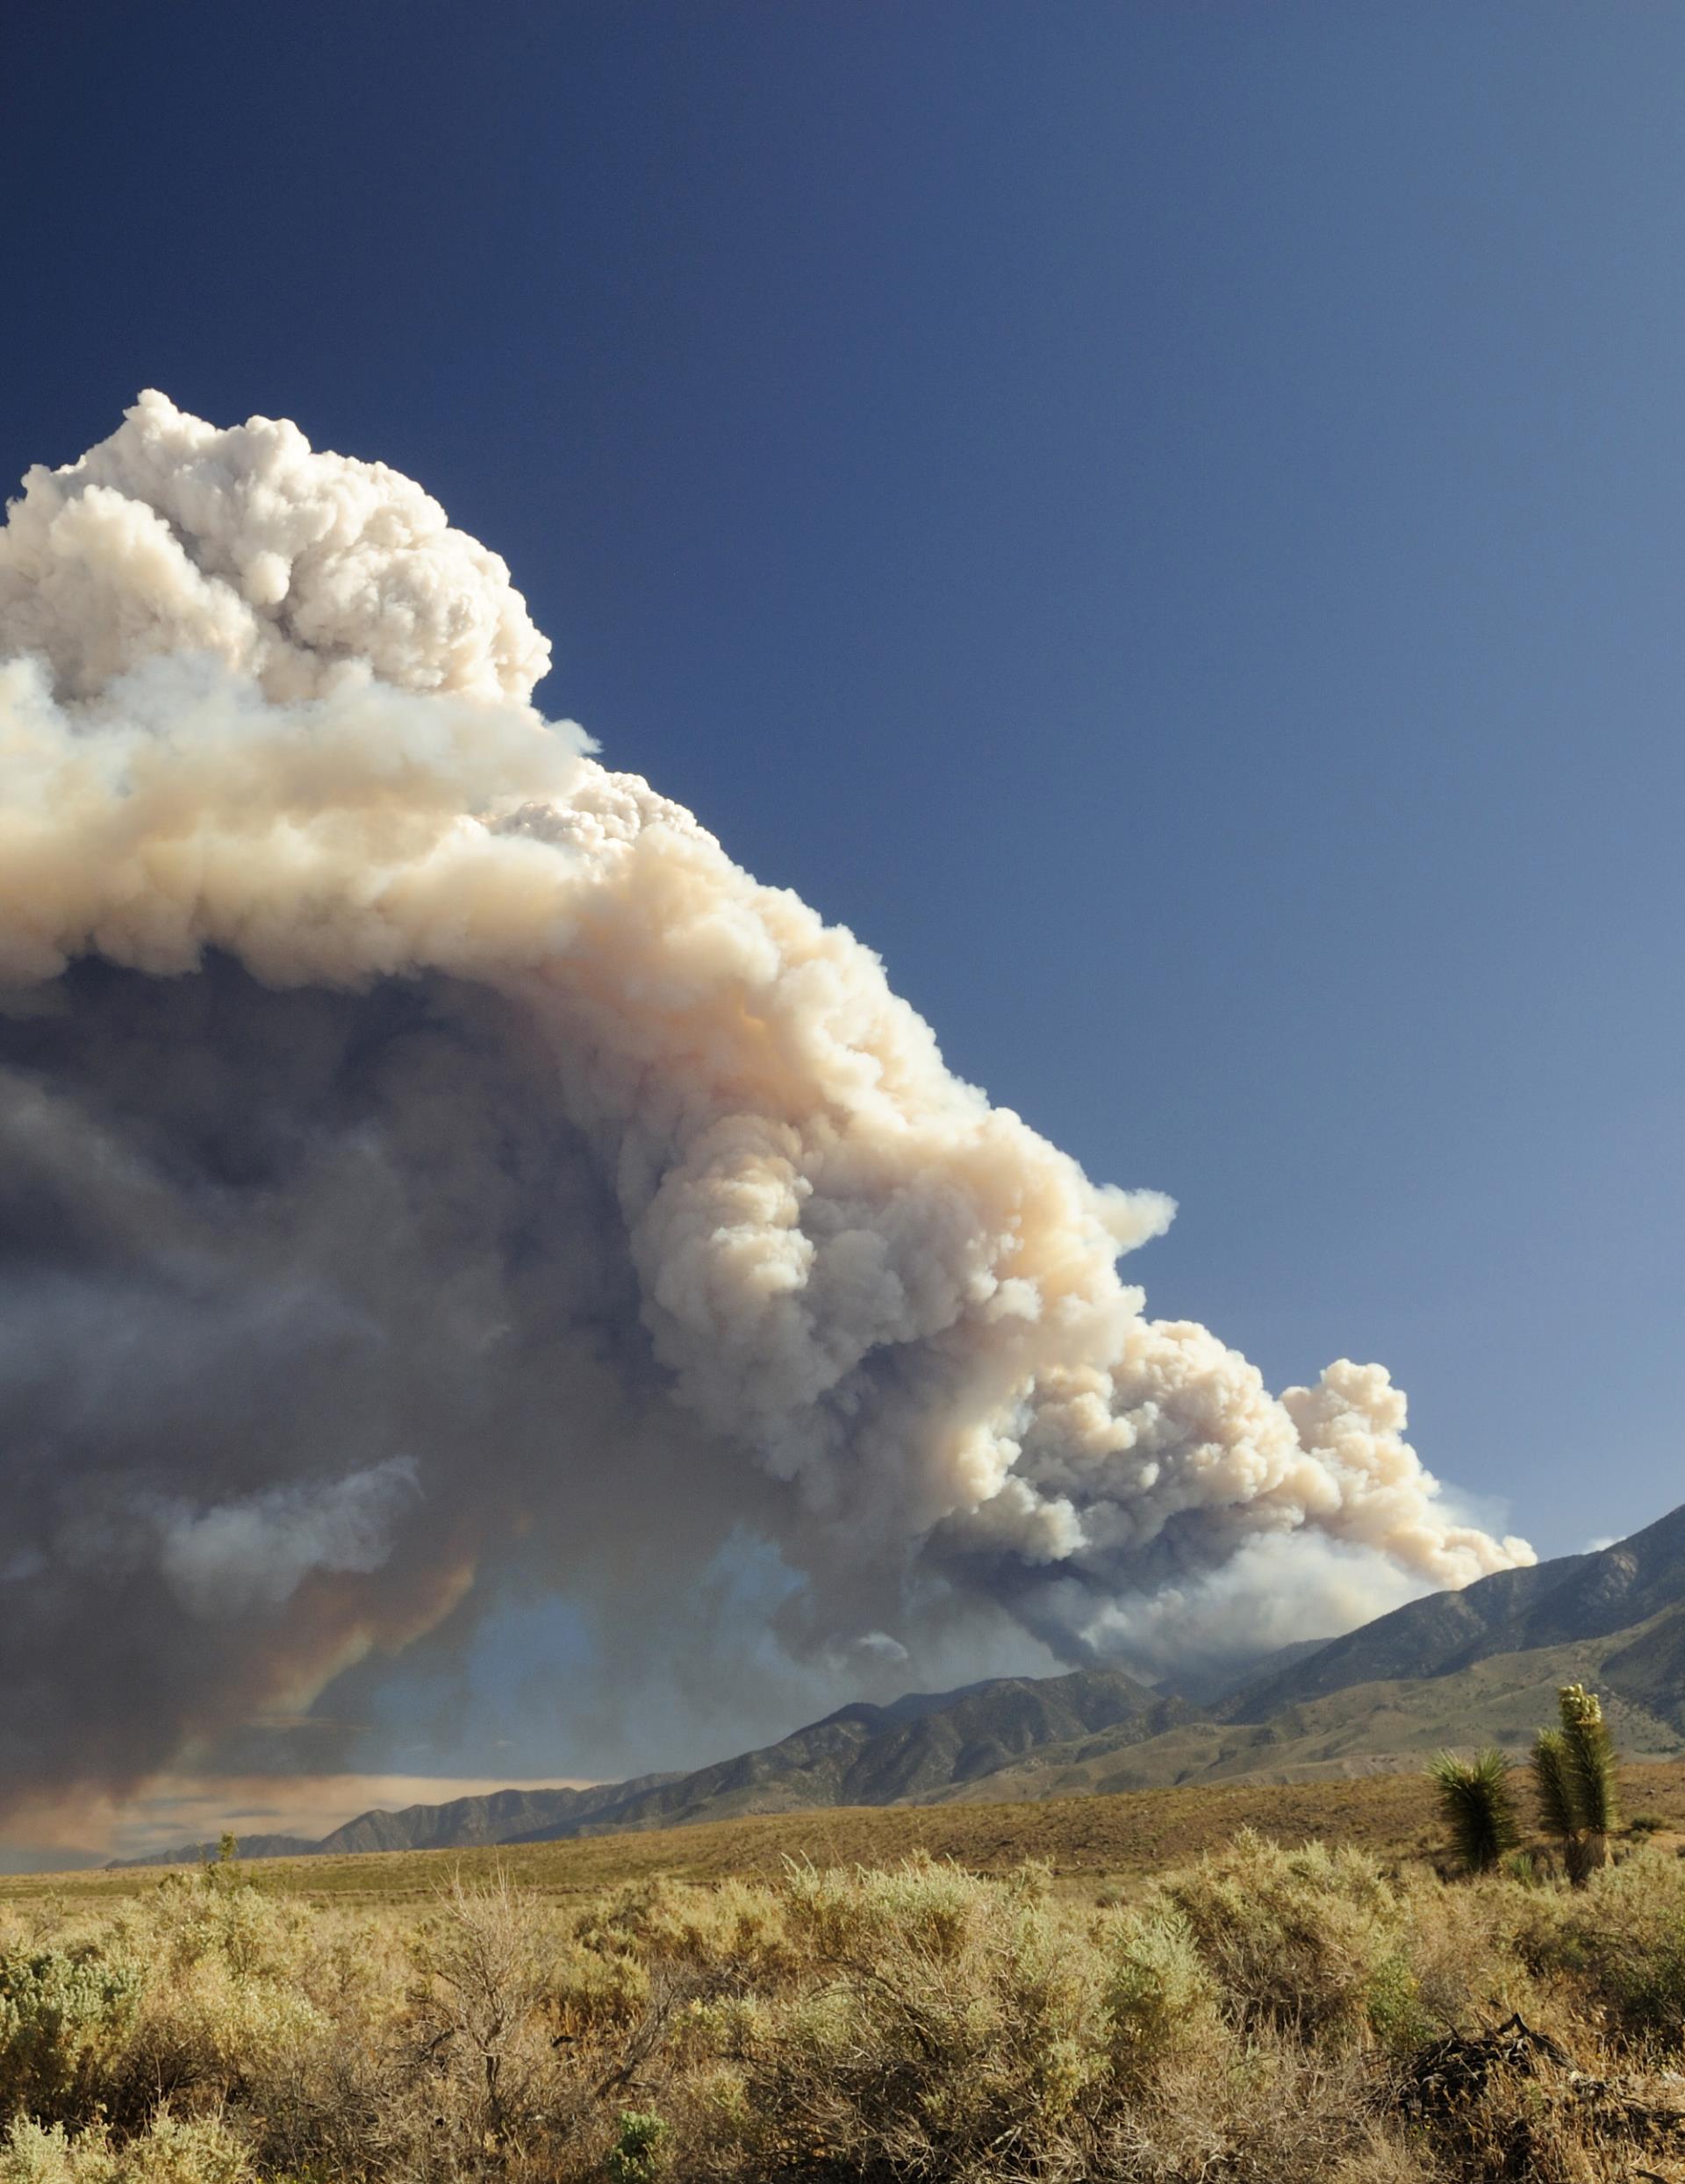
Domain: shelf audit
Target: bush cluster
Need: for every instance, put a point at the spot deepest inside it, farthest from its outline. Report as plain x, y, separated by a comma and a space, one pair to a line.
1288, 2015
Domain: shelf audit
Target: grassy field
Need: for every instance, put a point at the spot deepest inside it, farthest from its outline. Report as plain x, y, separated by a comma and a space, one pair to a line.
1088, 1842
1263, 2014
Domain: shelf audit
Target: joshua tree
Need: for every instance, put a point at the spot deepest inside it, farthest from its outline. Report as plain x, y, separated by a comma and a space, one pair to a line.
1476, 1806
1574, 1772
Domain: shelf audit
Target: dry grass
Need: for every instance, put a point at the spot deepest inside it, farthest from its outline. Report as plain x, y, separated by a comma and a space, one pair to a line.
1270, 2012
1086, 1842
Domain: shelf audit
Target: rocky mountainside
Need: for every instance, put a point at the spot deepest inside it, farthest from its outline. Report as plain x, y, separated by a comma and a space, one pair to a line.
907, 1752
1555, 1603
1387, 1725
910, 1752
505, 1816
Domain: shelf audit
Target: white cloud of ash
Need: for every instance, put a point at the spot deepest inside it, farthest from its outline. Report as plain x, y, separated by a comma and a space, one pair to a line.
256, 1551
413, 1135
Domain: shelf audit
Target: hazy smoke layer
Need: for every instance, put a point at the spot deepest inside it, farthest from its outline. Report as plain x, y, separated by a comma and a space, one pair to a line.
567, 1167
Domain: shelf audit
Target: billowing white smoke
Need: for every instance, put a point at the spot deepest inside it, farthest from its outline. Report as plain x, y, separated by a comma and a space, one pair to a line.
264, 703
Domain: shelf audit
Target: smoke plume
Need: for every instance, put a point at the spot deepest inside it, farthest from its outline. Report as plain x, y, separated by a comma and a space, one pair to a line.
414, 1136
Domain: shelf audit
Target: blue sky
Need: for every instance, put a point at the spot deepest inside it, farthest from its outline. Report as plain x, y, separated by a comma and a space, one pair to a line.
1164, 519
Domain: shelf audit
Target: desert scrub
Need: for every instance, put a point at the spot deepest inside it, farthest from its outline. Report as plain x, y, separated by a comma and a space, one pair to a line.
1456, 1964
1161, 2000
486, 1957
1268, 2110
1294, 1939
209, 2025
735, 1934
171, 2150
947, 2028
1258, 2016
1620, 1941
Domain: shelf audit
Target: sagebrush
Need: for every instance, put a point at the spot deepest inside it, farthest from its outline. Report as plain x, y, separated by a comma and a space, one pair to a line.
1281, 2014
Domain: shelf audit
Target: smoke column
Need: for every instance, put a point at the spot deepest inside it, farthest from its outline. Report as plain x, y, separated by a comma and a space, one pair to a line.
413, 1135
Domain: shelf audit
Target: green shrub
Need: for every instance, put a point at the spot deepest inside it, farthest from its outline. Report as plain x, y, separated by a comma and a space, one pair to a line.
1398, 2013
173, 2151
62, 2012
1159, 1996
636, 2155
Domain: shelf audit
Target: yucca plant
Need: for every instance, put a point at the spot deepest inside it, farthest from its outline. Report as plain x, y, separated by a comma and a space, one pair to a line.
1591, 1759
1478, 1810
1553, 1780
1573, 1773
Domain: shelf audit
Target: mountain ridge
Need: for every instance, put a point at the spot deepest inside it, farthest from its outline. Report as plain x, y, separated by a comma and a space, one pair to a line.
1485, 1661
1615, 1587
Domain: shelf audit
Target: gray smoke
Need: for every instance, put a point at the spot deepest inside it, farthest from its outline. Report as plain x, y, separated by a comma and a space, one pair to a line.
413, 1136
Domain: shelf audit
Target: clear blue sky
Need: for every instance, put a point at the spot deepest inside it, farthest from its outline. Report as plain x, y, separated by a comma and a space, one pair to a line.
1166, 519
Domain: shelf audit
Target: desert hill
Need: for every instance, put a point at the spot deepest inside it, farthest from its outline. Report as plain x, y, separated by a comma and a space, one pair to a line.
1457, 1668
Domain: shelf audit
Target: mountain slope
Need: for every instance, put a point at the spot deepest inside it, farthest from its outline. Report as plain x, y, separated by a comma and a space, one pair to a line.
1648, 1669
209, 1853
1554, 1603
1502, 1698
908, 1751
504, 1816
